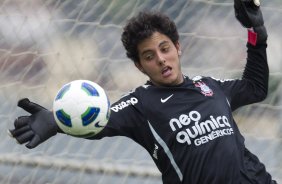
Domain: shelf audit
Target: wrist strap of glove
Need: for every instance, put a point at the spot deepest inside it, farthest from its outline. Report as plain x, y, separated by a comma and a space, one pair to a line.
252, 37
257, 35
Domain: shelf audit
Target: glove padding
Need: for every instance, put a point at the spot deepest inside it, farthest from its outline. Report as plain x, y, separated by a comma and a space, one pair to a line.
36, 128
248, 13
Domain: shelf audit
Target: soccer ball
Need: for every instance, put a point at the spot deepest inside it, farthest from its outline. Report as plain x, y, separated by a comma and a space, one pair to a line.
81, 108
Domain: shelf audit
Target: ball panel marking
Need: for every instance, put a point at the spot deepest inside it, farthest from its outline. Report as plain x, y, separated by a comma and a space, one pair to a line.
89, 89
64, 118
90, 115
63, 91
109, 109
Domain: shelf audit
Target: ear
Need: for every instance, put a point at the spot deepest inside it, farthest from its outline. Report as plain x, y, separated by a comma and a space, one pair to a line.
139, 66
178, 47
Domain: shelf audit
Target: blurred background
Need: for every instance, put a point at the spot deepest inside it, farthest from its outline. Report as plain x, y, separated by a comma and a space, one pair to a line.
47, 43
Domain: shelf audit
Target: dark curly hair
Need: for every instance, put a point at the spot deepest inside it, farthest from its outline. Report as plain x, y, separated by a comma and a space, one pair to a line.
143, 26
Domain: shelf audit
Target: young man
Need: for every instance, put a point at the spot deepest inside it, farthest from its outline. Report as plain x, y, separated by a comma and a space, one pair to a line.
185, 124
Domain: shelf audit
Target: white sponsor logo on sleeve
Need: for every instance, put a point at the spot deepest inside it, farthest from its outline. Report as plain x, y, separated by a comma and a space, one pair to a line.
123, 104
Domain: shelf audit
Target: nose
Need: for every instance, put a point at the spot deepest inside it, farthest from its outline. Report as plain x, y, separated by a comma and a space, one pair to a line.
160, 59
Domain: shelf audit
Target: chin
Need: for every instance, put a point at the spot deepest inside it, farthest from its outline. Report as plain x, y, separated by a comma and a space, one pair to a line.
170, 83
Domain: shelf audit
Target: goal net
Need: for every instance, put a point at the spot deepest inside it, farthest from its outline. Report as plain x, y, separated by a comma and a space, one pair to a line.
47, 43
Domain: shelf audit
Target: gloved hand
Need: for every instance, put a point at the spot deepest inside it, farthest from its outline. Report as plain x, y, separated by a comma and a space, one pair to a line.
250, 16
36, 128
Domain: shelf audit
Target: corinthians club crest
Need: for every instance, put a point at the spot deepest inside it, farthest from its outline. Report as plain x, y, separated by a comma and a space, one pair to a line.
205, 90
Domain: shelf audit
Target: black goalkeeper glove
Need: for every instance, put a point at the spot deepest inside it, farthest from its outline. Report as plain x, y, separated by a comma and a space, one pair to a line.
37, 127
250, 16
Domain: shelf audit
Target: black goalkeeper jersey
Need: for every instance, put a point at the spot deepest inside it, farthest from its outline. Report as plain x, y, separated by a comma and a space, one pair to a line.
189, 129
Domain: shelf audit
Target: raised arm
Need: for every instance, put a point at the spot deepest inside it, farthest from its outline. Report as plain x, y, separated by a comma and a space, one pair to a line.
254, 83
250, 16
256, 71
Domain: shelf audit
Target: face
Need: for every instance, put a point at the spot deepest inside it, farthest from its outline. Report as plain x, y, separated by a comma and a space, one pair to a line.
159, 60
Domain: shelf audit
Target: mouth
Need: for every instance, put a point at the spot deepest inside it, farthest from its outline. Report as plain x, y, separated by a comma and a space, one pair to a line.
166, 71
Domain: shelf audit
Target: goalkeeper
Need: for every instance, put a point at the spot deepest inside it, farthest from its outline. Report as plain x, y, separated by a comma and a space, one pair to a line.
185, 124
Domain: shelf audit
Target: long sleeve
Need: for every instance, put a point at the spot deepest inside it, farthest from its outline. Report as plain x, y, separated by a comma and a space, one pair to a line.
256, 69
253, 86
255, 77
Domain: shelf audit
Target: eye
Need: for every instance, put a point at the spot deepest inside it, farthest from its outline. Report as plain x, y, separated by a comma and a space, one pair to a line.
165, 49
148, 57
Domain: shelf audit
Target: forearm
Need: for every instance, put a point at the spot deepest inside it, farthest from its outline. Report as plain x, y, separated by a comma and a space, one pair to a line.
256, 70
